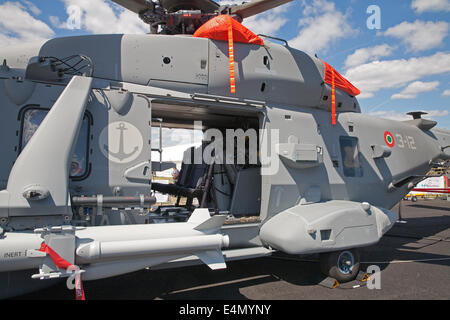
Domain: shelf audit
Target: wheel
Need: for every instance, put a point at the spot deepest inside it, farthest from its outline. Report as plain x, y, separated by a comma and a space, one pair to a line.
340, 265
414, 199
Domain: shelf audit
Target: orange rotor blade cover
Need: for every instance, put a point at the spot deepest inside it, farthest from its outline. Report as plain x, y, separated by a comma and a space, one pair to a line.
335, 79
225, 28
339, 81
217, 29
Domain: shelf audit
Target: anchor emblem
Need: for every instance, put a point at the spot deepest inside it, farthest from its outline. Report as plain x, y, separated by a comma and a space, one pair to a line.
121, 154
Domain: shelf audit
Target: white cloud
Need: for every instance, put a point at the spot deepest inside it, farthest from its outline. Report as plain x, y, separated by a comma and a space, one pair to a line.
414, 88
364, 55
23, 27
391, 115
394, 115
374, 76
32, 7
446, 93
101, 16
432, 114
365, 95
268, 23
421, 6
419, 35
55, 22
322, 25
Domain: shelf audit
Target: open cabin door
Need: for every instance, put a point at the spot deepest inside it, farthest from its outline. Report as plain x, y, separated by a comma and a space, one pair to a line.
292, 159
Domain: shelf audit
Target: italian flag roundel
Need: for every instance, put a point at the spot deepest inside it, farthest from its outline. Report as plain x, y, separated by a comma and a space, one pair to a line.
389, 139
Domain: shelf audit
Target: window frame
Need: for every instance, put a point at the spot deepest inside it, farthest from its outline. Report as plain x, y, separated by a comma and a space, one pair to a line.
87, 114
356, 169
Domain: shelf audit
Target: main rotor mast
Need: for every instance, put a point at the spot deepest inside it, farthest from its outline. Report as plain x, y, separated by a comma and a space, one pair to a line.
186, 16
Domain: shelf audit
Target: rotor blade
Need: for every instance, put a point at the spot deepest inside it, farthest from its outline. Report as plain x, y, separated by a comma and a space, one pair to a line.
249, 9
134, 5
206, 6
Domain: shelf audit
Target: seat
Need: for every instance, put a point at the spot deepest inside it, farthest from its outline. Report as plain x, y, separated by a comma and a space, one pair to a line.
190, 180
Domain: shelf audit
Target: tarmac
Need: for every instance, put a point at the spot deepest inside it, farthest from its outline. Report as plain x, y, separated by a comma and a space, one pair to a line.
414, 259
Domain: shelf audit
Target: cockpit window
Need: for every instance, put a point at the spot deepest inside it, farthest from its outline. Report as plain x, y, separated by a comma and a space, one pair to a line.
350, 157
33, 117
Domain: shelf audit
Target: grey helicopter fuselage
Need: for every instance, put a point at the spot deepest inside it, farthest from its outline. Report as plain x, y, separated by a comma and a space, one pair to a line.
289, 80
333, 188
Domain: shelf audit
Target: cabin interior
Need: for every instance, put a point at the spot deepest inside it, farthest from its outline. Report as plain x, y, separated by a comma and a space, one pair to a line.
224, 184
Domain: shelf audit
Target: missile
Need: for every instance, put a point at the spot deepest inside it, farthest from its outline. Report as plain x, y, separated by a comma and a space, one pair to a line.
116, 250
16, 251
107, 251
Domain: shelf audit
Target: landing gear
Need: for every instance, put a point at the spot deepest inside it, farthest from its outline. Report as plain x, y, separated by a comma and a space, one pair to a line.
414, 199
340, 265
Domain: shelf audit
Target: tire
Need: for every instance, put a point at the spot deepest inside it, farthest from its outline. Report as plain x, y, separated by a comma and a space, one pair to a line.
414, 199
331, 267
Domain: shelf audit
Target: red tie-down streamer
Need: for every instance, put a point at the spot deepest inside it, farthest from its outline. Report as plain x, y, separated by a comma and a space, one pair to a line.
231, 57
64, 264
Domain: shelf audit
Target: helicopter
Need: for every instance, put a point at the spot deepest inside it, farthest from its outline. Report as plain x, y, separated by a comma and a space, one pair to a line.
288, 162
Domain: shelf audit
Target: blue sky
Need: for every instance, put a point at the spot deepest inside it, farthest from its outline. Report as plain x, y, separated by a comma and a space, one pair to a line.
401, 67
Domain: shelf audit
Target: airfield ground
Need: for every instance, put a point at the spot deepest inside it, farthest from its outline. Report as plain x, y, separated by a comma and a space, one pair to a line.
414, 259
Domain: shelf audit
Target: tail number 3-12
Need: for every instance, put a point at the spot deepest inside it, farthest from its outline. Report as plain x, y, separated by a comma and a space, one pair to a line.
407, 141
